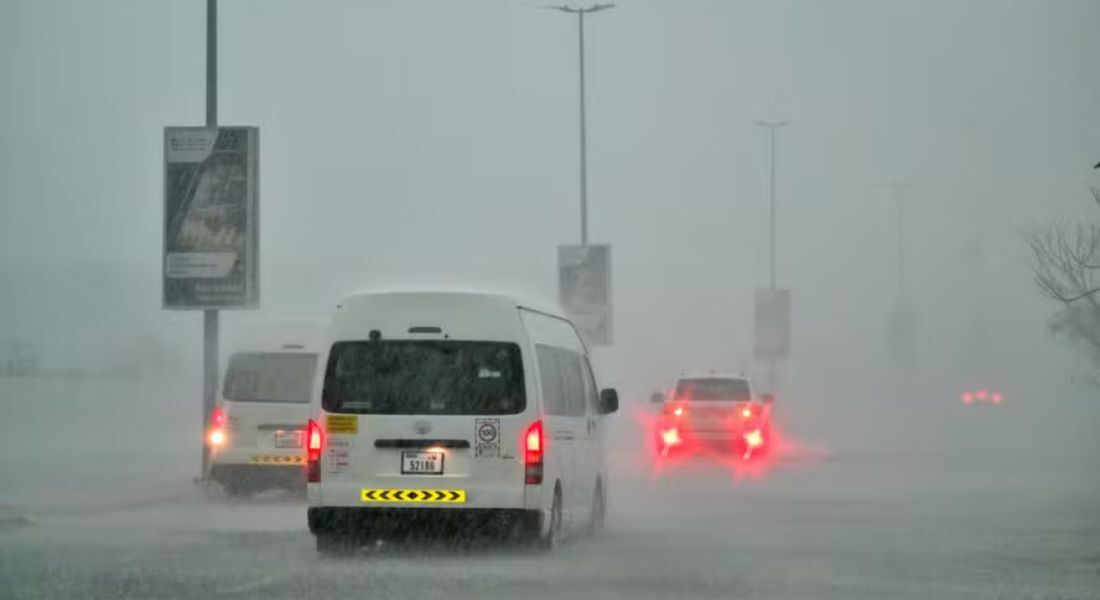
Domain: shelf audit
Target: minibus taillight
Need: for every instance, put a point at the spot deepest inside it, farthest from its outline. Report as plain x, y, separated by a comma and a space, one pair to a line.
215, 436
533, 448
217, 417
315, 442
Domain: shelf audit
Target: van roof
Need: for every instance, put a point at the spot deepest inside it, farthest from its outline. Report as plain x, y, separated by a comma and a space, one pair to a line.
455, 314
285, 335
444, 295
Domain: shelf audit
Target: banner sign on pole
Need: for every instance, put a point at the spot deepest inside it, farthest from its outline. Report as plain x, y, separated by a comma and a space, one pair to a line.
773, 323
211, 232
584, 288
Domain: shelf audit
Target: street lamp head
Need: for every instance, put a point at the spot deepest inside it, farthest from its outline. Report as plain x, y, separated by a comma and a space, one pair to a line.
579, 10
773, 124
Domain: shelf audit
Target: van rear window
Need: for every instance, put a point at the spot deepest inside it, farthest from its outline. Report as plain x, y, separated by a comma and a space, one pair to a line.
424, 377
270, 377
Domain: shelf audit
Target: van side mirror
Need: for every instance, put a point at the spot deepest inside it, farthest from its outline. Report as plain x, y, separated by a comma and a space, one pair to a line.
657, 398
609, 401
767, 398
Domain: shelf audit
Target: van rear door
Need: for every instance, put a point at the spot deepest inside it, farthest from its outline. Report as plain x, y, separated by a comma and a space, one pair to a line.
267, 403
424, 422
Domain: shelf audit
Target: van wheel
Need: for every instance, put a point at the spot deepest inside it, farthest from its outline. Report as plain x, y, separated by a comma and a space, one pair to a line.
333, 545
233, 488
553, 537
599, 509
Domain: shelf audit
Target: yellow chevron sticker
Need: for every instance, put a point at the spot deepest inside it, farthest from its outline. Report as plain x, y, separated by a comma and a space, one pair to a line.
268, 459
414, 496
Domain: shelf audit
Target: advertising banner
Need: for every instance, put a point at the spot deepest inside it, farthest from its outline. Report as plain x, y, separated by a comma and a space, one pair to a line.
211, 233
584, 287
773, 323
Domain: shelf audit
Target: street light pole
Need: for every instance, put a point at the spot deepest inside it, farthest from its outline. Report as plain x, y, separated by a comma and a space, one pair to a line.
772, 127
897, 191
211, 63
901, 326
583, 132
210, 315
580, 12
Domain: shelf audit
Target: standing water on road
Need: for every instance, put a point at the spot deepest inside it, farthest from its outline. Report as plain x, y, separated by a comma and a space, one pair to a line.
867, 232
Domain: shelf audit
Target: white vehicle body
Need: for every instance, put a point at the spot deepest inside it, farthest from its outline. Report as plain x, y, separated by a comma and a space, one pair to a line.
257, 431
426, 405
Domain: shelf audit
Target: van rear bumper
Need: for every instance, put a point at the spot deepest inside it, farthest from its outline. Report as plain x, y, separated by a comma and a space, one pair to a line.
258, 476
365, 522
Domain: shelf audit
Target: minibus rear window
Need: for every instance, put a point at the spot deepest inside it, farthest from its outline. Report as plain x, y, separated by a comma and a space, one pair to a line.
424, 377
270, 377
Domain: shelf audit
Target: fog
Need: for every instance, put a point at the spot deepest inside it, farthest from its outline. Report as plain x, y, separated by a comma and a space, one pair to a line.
434, 145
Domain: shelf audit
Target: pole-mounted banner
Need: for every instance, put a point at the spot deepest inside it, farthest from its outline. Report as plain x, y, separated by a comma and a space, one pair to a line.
211, 219
584, 286
773, 323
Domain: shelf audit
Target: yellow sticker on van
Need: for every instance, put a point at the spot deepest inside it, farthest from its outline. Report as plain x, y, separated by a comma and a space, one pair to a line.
414, 496
337, 424
268, 459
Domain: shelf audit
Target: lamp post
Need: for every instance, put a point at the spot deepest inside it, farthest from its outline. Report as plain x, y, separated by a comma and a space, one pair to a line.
581, 12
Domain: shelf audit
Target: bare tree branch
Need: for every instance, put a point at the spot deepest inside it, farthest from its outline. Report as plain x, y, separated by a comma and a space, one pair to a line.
1081, 296
1067, 262
1067, 270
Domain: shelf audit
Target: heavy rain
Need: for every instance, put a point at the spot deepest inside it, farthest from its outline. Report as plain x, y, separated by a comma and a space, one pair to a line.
500, 299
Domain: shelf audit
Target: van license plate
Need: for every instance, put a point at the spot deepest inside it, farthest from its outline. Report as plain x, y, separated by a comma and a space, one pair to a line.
288, 439
421, 463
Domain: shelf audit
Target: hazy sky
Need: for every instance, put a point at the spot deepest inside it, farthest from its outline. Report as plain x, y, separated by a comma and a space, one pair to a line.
435, 142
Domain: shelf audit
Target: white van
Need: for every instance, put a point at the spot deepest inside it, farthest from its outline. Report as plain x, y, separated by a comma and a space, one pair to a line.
256, 434
454, 413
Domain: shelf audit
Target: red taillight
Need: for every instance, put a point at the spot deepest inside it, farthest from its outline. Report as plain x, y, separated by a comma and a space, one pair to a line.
315, 442
217, 418
670, 437
968, 398
676, 409
754, 439
216, 437
532, 454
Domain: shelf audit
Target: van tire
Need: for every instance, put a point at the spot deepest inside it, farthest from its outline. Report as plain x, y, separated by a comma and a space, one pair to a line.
599, 509
553, 536
329, 544
233, 489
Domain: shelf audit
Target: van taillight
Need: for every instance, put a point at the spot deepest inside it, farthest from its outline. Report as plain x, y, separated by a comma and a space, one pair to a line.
217, 417
215, 436
315, 442
532, 454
